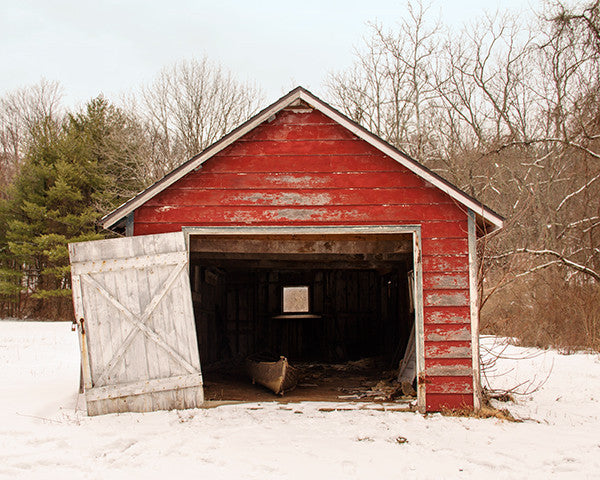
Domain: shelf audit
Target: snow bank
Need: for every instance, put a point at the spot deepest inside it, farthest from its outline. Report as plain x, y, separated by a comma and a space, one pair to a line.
45, 434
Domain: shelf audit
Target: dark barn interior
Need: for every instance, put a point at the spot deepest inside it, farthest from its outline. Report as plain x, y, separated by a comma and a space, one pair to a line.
338, 308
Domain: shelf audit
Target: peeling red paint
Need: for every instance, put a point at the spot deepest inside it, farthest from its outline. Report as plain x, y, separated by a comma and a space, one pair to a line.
447, 349
437, 314
446, 280
445, 298
448, 332
454, 384
305, 169
445, 263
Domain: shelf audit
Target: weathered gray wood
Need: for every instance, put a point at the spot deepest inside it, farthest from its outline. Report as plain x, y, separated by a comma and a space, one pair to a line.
462, 334
174, 308
156, 364
123, 247
116, 264
448, 281
474, 308
191, 398
129, 224
441, 317
458, 298
300, 230
449, 371
127, 315
448, 352
302, 244
136, 362
304, 262
118, 356
145, 386
408, 365
78, 308
160, 321
98, 329
134, 296
417, 285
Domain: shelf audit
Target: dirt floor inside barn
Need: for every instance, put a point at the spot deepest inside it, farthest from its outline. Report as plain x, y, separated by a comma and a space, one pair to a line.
362, 380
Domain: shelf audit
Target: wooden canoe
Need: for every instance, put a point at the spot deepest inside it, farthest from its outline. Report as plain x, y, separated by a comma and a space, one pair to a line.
275, 374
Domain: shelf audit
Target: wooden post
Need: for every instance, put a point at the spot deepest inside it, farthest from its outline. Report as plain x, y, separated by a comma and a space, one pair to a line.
419, 322
474, 304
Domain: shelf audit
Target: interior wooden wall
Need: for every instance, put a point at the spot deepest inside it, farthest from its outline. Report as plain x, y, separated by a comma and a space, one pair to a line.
360, 313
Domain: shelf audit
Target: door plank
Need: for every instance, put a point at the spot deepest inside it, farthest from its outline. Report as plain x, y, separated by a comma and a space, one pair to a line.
130, 317
147, 386
123, 287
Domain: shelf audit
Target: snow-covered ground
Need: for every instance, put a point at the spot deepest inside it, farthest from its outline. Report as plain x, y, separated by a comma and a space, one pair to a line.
45, 434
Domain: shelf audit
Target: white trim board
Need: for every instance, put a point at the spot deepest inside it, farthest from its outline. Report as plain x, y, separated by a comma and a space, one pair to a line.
300, 230
474, 309
296, 94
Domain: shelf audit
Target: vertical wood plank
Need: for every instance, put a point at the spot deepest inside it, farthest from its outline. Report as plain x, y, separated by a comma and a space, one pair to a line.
474, 304
83, 345
419, 323
149, 281
119, 302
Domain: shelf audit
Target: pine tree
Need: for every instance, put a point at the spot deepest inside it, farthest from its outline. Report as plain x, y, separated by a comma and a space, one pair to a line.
73, 173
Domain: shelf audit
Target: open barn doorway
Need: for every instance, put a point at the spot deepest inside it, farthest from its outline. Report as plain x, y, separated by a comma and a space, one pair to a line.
339, 306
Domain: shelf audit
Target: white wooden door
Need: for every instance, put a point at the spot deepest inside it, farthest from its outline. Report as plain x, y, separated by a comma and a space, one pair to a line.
136, 324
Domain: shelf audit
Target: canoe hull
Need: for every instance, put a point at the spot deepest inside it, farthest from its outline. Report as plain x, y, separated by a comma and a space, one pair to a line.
276, 375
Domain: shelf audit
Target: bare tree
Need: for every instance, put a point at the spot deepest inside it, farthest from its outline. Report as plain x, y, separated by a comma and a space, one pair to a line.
509, 112
190, 105
389, 88
21, 111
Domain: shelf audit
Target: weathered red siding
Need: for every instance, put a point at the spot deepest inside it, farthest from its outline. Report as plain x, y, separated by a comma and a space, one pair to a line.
304, 169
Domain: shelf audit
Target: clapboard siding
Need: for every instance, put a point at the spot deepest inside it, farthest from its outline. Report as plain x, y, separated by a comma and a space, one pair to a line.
448, 366
301, 147
318, 130
309, 163
445, 263
452, 229
175, 197
445, 298
450, 385
447, 332
445, 246
301, 169
261, 215
446, 314
448, 349
442, 401
446, 280
299, 118
292, 180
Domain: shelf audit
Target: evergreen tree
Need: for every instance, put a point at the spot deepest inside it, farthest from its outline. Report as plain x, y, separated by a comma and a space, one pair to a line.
73, 173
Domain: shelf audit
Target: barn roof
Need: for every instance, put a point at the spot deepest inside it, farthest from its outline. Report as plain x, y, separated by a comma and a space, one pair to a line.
487, 217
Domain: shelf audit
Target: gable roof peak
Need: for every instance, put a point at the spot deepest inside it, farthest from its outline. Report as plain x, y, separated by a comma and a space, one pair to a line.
301, 98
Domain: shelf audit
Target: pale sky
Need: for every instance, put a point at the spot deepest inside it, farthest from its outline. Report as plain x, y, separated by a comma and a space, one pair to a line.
114, 46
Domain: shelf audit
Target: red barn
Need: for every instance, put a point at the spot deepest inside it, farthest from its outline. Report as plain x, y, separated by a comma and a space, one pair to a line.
307, 236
